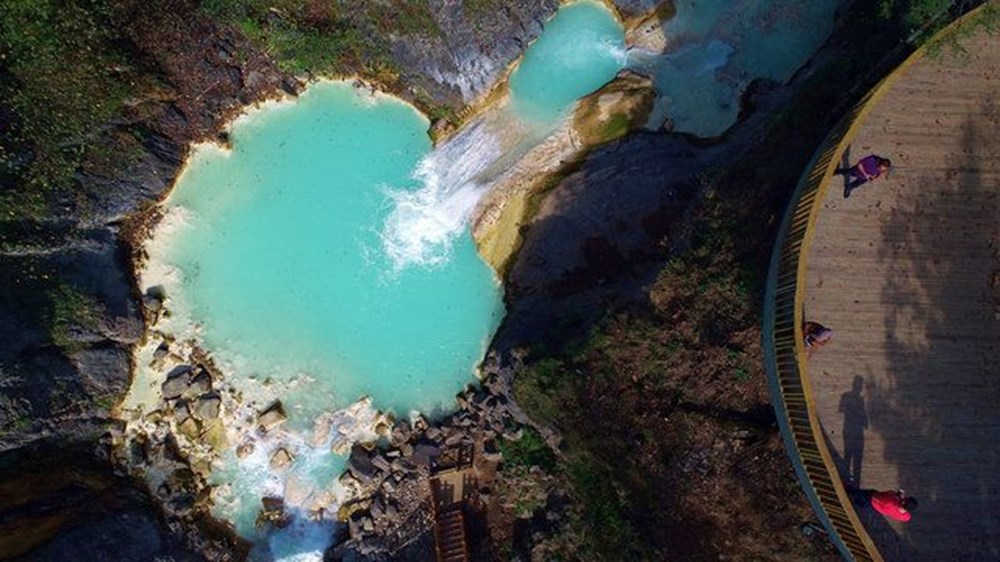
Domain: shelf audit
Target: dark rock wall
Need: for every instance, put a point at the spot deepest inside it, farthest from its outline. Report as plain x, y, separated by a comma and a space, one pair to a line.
475, 43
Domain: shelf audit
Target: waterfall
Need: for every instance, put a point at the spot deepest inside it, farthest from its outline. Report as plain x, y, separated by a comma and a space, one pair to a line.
423, 223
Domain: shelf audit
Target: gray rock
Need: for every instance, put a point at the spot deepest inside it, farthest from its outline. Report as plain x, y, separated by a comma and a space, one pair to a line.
281, 459
425, 454
244, 450
455, 439
401, 433
181, 411
360, 465
379, 462
177, 382
200, 384
207, 407
272, 417
161, 351
377, 508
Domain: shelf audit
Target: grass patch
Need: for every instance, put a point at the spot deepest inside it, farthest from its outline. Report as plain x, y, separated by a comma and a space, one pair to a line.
606, 530
64, 75
327, 37
529, 450
69, 310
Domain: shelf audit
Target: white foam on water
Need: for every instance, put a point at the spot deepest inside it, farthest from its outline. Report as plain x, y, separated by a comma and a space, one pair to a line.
310, 486
424, 222
618, 52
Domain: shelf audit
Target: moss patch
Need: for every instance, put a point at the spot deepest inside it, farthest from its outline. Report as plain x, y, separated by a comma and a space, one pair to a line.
622, 106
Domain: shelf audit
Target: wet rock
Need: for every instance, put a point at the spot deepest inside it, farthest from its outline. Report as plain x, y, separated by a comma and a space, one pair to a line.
272, 417
154, 298
273, 513
433, 433
178, 380
181, 411
200, 384
138, 451
190, 428
360, 465
281, 459
161, 351
207, 407
244, 450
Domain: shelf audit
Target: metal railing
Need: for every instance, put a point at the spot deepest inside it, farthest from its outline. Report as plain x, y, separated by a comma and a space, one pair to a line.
784, 349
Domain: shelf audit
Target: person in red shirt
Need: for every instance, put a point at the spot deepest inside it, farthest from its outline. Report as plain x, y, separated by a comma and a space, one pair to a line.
893, 504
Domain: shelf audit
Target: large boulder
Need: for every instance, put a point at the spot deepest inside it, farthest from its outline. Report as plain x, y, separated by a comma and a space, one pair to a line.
272, 416
207, 406
177, 383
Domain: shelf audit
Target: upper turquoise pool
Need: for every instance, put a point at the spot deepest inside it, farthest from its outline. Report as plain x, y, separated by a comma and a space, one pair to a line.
582, 49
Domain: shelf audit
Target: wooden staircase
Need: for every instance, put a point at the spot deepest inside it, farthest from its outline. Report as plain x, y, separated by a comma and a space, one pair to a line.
449, 534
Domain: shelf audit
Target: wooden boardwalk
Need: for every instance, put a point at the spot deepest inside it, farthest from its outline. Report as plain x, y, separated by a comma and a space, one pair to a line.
907, 273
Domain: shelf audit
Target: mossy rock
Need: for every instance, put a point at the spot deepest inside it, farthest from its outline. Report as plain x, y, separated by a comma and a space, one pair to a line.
620, 107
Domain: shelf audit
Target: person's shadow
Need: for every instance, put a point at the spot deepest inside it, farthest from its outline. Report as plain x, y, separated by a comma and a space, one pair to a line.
844, 170
852, 405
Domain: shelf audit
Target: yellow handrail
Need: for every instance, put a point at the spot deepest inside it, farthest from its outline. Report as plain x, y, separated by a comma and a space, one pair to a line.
784, 349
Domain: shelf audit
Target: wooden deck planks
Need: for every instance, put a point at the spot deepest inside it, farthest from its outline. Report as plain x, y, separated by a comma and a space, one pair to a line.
902, 271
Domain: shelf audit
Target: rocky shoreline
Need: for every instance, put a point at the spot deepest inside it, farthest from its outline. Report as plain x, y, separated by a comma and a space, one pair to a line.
65, 392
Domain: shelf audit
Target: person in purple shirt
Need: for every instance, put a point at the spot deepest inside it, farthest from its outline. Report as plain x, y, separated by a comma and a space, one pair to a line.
869, 168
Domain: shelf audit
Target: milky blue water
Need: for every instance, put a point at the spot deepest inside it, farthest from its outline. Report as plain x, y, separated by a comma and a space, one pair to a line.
715, 48
283, 262
297, 270
581, 49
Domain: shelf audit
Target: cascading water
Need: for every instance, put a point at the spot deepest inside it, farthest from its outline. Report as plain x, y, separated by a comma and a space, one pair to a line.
581, 49
326, 257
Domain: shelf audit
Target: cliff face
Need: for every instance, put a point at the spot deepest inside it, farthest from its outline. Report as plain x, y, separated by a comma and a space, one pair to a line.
69, 315
471, 47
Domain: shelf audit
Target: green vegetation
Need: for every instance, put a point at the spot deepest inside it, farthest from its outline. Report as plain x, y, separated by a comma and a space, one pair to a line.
920, 19
988, 19
70, 309
36, 294
529, 450
603, 520
64, 75
327, 38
